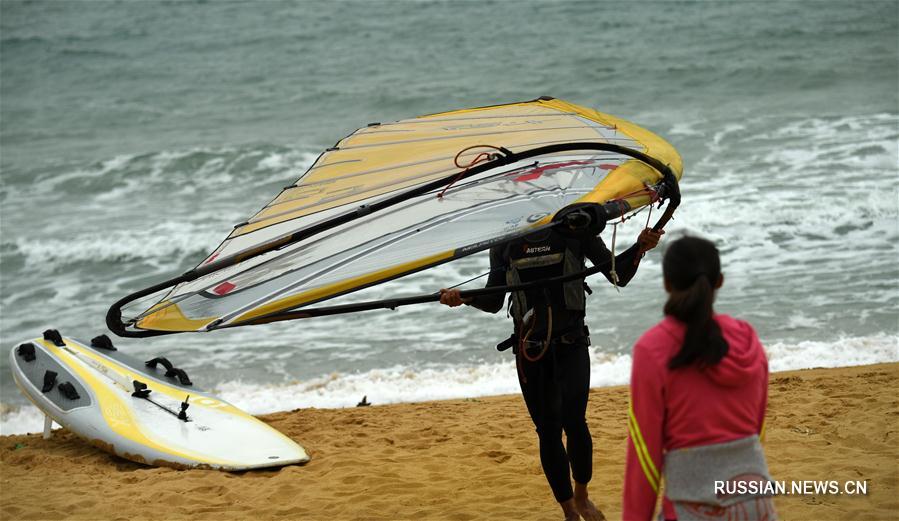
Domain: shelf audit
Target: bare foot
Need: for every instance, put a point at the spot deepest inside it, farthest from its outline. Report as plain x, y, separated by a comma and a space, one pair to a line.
588, 510
570, 511
584, 507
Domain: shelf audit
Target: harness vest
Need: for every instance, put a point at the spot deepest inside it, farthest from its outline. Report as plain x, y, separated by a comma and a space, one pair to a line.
540, 256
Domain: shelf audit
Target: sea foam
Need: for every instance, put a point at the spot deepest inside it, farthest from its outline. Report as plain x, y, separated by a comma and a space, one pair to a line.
402, 384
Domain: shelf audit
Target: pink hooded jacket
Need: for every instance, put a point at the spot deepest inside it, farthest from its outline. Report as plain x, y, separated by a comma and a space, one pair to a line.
688, 407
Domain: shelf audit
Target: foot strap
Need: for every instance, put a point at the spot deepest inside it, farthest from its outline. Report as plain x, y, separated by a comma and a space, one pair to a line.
52, 335
170, 370
103, 342
68, 390
26, 351
49, 381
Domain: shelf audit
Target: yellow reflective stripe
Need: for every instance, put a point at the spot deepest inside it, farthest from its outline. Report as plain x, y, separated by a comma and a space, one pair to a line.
645, 462
639, 436
643, 456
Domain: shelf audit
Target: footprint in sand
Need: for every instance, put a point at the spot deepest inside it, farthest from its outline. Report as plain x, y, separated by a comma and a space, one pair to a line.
497, 455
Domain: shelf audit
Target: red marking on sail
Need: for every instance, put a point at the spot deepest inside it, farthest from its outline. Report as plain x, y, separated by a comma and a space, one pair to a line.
540, 170
608, 166
212, 258
223, 288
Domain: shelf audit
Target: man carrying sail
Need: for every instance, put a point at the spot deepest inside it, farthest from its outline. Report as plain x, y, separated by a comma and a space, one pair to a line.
550, 342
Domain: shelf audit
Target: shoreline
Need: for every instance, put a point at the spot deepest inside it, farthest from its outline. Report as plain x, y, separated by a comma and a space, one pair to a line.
409, 384
473, 458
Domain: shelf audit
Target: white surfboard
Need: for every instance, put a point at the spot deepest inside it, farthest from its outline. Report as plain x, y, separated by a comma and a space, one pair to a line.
144, 413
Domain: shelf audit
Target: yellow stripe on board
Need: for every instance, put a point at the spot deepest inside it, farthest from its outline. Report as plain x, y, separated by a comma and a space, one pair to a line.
118, 414
643, 456
176, 393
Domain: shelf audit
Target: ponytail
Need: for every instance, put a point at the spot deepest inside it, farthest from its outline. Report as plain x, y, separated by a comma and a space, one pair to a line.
692, 268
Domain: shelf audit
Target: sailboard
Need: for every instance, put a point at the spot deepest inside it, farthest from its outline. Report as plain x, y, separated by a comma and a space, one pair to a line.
392, 199
148, 412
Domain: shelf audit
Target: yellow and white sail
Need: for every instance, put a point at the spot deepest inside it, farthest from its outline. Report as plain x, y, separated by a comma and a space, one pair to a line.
375, 164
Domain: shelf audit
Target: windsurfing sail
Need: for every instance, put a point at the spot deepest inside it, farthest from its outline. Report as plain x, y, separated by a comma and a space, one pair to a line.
392, 199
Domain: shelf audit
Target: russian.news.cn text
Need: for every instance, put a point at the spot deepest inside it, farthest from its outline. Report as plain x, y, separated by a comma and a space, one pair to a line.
793, 488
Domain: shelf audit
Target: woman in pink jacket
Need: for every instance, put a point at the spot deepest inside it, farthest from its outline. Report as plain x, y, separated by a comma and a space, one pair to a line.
698, 394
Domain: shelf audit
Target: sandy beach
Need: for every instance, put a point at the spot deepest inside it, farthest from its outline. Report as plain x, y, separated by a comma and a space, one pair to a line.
462, 460
195, 168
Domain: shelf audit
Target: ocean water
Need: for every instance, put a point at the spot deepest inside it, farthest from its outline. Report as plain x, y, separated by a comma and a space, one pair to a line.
134, 135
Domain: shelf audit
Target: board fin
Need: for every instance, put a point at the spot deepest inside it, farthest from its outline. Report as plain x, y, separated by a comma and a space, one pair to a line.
48, 427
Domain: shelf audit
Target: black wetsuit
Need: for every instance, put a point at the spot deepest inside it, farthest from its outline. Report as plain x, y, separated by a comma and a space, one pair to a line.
555, 387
